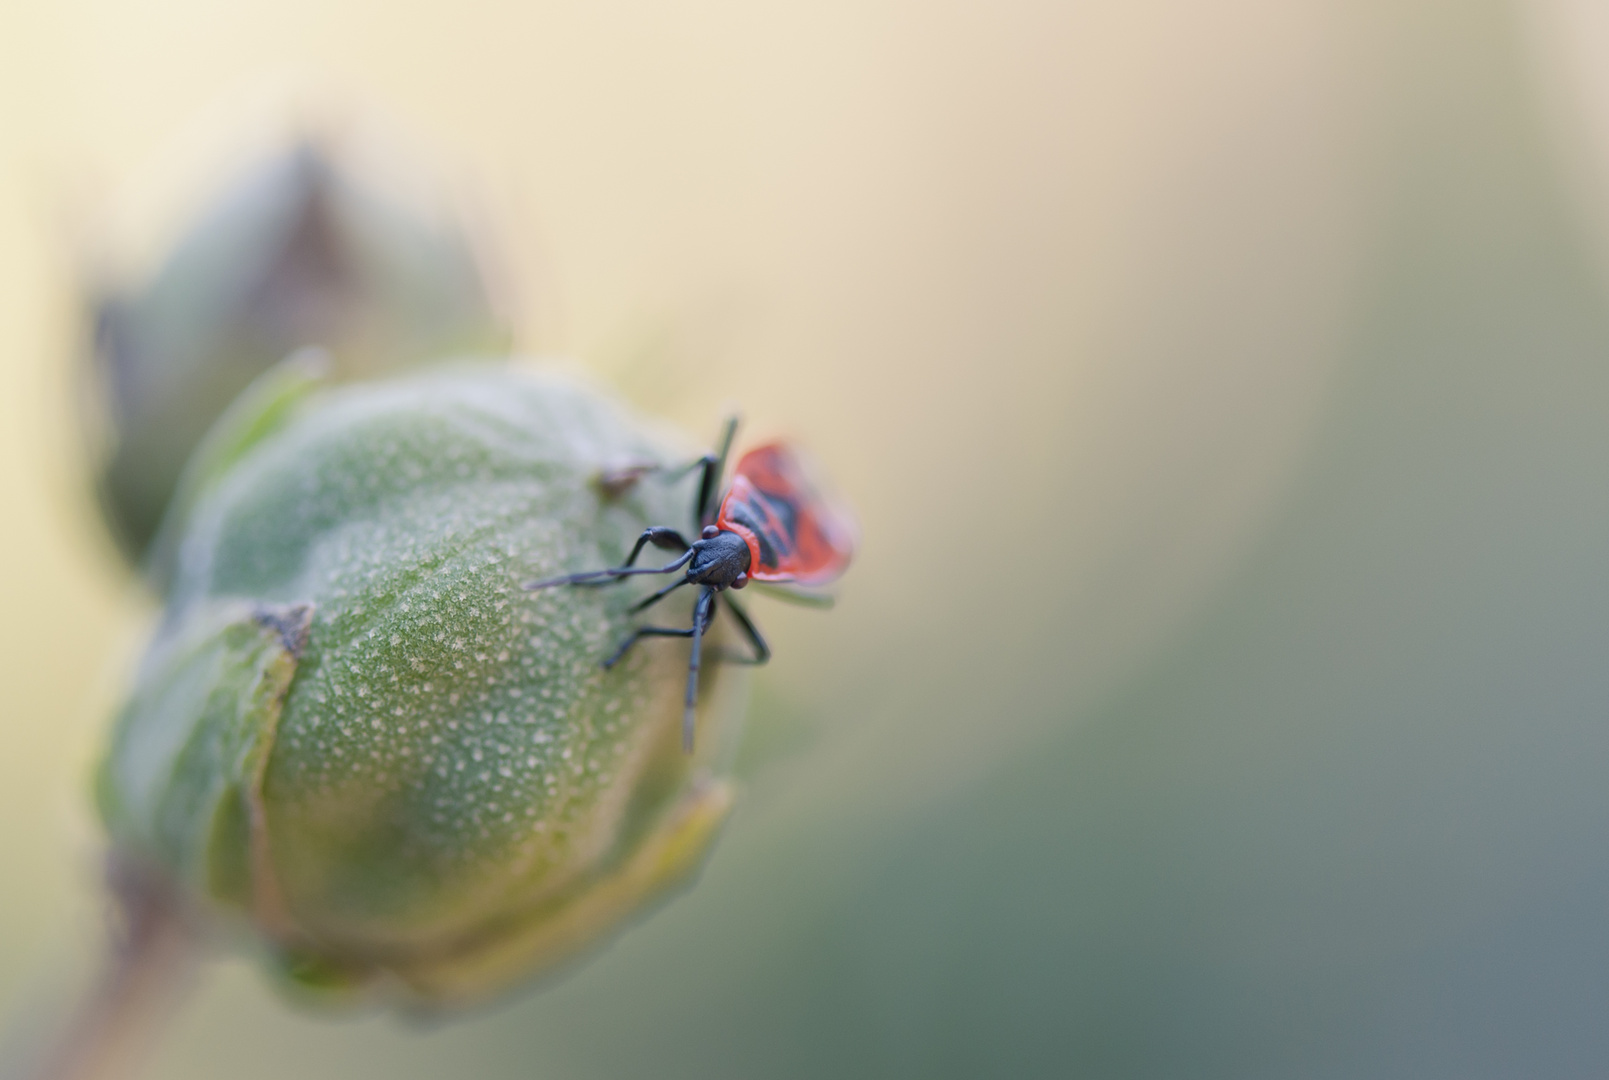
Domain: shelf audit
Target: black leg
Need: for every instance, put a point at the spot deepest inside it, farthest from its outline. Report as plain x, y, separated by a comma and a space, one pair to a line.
714, 467
659, 536
702, 612
604, 577
642, 632
660, 595
709, 484
675, 473
762, 651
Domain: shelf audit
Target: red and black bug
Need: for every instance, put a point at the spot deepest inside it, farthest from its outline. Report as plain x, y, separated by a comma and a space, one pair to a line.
771, 526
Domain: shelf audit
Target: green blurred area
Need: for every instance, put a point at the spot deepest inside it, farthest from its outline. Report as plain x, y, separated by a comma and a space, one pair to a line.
1221, 689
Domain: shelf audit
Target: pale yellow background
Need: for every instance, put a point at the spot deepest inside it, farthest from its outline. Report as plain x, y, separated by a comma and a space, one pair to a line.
1059, 293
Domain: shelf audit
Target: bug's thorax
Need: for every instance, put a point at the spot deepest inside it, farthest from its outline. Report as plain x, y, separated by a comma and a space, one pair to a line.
721, 559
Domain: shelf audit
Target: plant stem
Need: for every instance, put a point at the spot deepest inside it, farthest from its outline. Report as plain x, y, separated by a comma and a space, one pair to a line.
152, 952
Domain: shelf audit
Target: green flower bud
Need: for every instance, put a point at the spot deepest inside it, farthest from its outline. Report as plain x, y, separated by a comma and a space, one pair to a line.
297, 252
359, 733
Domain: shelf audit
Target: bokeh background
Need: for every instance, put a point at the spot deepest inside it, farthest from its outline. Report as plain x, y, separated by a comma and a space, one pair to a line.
1223, 687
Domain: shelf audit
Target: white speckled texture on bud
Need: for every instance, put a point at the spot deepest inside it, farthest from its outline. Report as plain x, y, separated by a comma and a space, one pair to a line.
359, 732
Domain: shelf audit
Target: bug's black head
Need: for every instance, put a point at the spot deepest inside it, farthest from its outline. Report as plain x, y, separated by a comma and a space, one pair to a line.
721, 560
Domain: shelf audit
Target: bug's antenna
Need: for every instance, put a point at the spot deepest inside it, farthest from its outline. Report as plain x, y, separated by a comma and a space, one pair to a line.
608, 577
713, 476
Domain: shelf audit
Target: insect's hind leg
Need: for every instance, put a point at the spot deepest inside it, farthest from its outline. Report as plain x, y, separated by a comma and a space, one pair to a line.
762, 651
709, 484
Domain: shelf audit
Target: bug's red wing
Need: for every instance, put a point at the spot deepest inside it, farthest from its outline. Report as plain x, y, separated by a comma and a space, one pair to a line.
794, 534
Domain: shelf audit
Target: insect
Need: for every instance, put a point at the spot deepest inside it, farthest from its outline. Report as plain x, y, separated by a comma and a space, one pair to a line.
771, 526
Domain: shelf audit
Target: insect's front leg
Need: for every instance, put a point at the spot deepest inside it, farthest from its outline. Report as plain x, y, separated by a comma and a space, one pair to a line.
638, 634
703, 612
661, 537
649, 601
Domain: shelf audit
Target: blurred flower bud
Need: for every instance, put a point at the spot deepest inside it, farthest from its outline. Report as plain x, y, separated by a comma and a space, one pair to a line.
298, 251
358, 732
